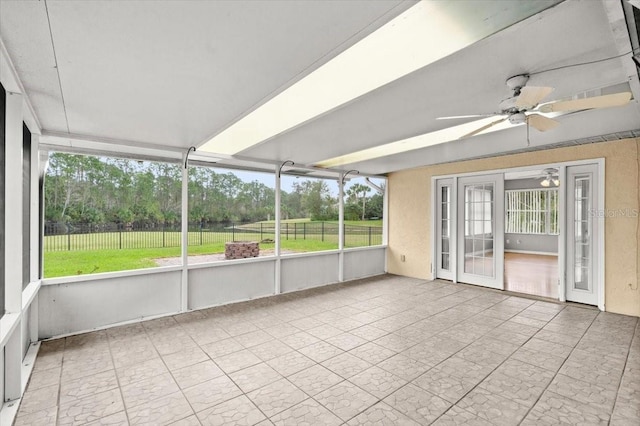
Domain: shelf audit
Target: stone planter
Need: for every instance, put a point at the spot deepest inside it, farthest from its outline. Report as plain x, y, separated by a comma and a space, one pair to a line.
241, 249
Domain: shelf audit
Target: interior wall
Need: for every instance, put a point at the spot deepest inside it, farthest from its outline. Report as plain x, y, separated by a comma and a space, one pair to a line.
410, 213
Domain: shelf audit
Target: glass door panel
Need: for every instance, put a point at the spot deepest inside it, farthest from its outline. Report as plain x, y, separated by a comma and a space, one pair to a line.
445, 231
481, 233
581, 238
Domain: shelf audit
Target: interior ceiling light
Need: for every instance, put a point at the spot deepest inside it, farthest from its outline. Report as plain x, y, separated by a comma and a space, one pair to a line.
550, 178
423, 34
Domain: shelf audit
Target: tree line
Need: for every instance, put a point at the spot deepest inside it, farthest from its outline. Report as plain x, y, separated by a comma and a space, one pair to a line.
98, 190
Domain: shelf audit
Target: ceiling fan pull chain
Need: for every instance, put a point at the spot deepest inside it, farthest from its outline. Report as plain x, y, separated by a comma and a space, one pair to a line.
528, 141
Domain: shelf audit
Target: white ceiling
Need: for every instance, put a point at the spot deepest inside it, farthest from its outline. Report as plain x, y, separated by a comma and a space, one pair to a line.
176, 73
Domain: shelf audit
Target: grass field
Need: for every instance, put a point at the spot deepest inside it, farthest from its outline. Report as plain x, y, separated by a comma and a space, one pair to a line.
101, 252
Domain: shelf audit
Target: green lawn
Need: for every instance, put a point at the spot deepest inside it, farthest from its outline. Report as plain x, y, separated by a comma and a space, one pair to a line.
101, 252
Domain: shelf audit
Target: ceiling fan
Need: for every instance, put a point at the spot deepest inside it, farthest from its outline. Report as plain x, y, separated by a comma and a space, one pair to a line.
524, 106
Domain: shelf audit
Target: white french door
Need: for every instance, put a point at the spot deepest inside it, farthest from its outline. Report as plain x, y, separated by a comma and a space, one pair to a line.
480, 230
582, 234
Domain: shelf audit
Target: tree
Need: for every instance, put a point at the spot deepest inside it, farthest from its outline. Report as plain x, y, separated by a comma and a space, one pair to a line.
359, 191
316, 199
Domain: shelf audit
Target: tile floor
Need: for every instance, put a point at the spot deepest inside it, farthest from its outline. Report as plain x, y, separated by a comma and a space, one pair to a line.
383, 351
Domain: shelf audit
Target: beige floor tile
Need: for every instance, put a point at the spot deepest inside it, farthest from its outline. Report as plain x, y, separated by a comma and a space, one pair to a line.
584, 392
368, 332
422, 406
548, 347
456, 416
44, 417
308, 412
553, 409
372, 352
196, 374
167, 343
117, 419
299, 340
87, 353
148, 390
539, 359
39, 399
85, 386
378, 382
188, 421
254, 377
209, 335
144, 370
161, 411
238, 411
523, 390
88, 367
42, 378
559, 338
314, 379
290, 363
404, 367
324, 331
440, 382
346, 324
211, 393
306, 323
346, 400
428, 353
184, 358
269, 350
91, 408
281, 330
320, 351
346, 341
394, 342
382, 414
346, 365
495, 409
222, 348
48, 360
277, 397
237, 361
253, 338
237, 328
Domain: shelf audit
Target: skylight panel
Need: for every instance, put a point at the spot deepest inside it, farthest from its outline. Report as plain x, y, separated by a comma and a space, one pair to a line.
423, 34
448, 134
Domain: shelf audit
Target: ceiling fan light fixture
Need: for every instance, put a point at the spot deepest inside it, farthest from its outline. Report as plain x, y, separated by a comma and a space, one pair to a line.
546, 183
556, 182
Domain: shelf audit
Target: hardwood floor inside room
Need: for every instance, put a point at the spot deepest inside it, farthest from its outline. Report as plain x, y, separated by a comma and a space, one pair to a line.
531, 274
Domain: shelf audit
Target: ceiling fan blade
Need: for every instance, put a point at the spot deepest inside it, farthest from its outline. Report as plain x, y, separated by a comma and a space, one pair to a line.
541, 123
605, 101
483, 128
456, 117
530, 96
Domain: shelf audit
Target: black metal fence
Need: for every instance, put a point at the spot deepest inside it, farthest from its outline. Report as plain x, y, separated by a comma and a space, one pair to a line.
114, 236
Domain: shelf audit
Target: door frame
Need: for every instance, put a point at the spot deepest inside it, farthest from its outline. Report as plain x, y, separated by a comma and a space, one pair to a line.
599, 248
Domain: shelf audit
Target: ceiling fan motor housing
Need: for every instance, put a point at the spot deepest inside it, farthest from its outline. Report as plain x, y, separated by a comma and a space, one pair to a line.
518, 118
517, 82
